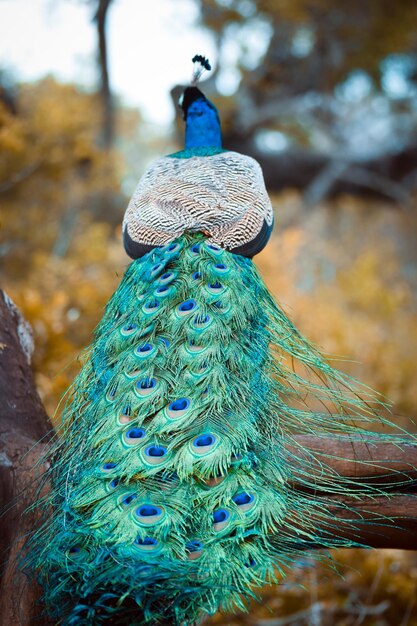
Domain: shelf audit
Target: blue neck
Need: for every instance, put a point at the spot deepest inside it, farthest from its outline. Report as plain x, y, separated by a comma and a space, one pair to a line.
202, 126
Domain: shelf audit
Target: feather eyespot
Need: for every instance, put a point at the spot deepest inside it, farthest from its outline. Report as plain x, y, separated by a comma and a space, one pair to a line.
221, 515
148, 541
179, 405
194, 549
172, 247
145, 350
128, 329
156, 451
135, 433
148, 511
187, 306
147, 544
245, 501
201, 320
146, 387
204, 444
177, 409
204, 440
195, 249
109, 466
127, 500
156, 269
149, 514
151, 307
166, 278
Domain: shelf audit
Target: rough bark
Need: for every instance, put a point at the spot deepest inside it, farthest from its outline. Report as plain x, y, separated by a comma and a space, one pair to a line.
392, 521
23, 422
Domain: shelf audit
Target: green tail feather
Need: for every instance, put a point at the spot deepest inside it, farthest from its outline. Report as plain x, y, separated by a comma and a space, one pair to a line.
171, 489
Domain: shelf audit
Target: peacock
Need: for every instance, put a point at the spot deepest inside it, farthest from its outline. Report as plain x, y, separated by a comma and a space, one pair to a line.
171, 487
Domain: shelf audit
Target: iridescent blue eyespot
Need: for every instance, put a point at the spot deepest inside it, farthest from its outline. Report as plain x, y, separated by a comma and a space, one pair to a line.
147, 541
156, 451
220, 266
135, 433
109, 466
243, 498
128, 327
194, 546
153, 304
221, 515
128, 499
173, 247
216, 285
146, 383
251, 562
164, 341
147, 347
199, 320
156, 268
195, 249
187, 305
196, 276
204, 440
148, 510
213, 246
179, 405
74, 549
114, 483
111, 394
162, 289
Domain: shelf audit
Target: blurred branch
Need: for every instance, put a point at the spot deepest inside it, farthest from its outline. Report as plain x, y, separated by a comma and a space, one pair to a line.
19, 177
100, 18
376, 182
66, 230
322, 175
359, 610
322, 186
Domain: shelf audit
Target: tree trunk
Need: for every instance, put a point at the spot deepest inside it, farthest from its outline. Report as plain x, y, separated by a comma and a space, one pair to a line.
23, 422
100, 19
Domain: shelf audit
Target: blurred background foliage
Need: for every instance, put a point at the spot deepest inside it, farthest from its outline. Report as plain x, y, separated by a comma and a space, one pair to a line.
323, 94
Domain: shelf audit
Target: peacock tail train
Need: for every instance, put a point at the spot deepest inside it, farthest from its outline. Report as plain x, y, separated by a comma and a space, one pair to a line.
172, 492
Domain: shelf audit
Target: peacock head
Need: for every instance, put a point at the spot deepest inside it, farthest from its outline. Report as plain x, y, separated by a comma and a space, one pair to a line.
202, 122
